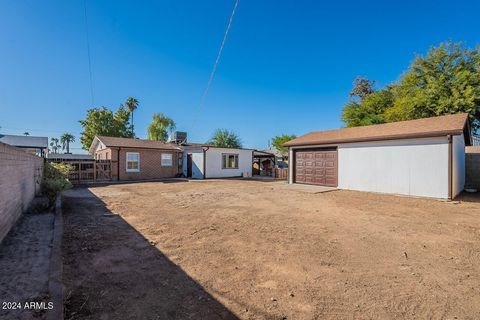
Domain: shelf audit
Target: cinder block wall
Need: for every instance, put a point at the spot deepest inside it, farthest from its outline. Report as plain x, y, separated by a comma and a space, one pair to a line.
20, 177
472, 166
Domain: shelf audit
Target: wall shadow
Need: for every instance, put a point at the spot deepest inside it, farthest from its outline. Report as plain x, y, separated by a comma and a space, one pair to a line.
112, 272
113, 182
468, 197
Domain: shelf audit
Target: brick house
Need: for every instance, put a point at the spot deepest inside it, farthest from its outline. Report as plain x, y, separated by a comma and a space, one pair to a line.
137, 159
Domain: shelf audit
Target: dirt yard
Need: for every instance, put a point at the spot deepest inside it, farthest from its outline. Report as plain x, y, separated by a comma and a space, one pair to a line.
258, 250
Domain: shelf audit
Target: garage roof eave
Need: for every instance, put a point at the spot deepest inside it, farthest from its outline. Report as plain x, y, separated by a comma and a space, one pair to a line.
377, 138
425, 127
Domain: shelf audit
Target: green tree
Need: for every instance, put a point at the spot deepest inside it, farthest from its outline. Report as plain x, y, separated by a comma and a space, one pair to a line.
160, 127
444, 81
368, 111
132, 105
54, 143
102, 121
225, 139
362, 87
66, 139
278, 141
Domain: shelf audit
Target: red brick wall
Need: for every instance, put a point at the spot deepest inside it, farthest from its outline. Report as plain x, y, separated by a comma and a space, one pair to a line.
150, 163
20, 177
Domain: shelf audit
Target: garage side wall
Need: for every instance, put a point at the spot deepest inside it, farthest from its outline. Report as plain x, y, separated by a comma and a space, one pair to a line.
458, 164
214, 163
417, 167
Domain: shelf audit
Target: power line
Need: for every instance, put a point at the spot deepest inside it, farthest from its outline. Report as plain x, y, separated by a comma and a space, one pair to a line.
214, 69
88, 53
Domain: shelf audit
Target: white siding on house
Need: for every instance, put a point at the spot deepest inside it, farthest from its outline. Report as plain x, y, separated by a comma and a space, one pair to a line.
458, 164
214, 163
416, 167
197, 162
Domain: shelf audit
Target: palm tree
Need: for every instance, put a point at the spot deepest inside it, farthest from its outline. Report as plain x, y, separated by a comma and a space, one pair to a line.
132, 105
54, 144
160, 127
226, 139
65, 139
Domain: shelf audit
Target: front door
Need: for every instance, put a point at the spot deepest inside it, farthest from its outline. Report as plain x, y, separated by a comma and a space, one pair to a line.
189, 165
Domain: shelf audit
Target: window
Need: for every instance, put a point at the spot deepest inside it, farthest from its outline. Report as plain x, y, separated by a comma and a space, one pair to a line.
167, 159
229, 161
133, 162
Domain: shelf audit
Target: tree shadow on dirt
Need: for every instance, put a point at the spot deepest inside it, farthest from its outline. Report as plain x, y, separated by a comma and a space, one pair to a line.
112, 272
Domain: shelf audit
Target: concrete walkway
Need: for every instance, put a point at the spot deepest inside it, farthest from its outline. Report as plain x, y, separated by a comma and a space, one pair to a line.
308, 188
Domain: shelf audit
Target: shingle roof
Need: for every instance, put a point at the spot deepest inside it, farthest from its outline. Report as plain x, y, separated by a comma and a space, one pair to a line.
69, 156
135, 143
427, 127
25, 141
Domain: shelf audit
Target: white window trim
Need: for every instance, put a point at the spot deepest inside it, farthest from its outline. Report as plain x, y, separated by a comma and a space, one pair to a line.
126, 162
237, 162
171, 160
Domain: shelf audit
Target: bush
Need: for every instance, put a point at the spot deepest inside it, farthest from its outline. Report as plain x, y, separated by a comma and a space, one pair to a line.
55, 180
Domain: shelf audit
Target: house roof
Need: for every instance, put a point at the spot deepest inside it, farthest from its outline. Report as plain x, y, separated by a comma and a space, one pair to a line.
259, 153
25, 141
274, 151
197, 145
472, 149
130, 143
68, 156
427, 127
206, 145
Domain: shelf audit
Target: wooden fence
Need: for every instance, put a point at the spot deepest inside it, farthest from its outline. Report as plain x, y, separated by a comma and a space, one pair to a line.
475, 140
89, 170
281, 173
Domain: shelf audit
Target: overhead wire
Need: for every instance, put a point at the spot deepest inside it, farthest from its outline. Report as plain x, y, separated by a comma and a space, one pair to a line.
215, 65
89, 54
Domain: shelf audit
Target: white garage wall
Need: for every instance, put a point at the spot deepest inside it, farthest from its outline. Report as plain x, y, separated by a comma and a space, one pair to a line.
412, 167
458, 164
214, 163
197, 162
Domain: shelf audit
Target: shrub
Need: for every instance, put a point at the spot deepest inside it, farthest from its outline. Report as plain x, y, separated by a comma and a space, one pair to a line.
55, 180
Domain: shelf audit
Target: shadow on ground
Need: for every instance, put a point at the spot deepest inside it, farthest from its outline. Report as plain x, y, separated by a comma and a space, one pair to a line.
469, 197
112, 272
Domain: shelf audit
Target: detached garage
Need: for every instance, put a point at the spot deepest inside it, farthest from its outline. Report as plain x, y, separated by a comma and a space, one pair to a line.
424, 157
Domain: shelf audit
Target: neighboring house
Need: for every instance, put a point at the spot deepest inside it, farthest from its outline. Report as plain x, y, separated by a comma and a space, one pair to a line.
201, 161
424, 157
280, 160
472, 167
137, 159
33, 145
65, 157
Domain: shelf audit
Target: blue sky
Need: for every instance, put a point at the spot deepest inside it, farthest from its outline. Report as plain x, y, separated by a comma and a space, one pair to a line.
287, 66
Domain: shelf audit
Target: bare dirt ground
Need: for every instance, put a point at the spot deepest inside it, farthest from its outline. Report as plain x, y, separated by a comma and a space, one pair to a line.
258, 250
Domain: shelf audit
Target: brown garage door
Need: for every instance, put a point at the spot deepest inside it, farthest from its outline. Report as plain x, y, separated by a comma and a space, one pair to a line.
317, 166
